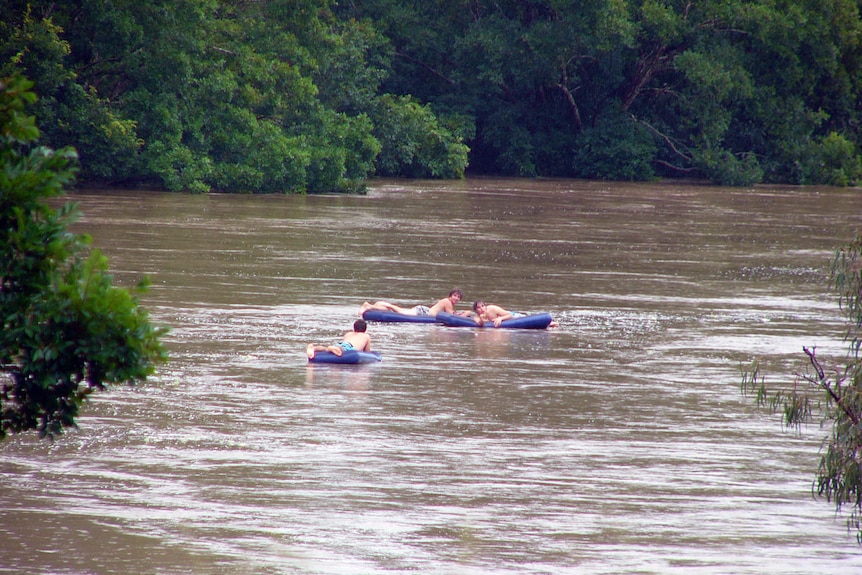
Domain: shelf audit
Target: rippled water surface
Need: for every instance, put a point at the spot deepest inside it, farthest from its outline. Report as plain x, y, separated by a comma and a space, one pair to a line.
616, 443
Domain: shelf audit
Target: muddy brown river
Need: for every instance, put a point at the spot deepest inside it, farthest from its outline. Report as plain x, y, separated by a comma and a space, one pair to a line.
615, 443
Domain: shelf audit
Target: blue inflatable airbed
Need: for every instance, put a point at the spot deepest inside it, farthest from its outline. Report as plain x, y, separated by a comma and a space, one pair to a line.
348, 357
535, 321
393, 317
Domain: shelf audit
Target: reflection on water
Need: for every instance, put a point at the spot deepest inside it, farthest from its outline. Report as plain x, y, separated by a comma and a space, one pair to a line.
353, 378
616, 443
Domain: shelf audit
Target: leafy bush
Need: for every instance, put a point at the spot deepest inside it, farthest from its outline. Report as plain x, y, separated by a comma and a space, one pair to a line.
726, 169
832, 160
617, 148
414, 142
66, 330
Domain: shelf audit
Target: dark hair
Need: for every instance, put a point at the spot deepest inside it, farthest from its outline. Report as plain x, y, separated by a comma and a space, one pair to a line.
359, 325
476, 304
457, 292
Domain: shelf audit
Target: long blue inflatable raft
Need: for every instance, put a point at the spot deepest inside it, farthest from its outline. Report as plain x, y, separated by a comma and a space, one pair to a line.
535, 321
393, 317
348, 357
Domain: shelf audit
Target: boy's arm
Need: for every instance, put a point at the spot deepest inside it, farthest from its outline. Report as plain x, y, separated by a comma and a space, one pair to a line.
501, 315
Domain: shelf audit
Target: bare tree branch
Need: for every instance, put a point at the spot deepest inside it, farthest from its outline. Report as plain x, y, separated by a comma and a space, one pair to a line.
563, 85
427, 67
664, 137
680, 169
824, 383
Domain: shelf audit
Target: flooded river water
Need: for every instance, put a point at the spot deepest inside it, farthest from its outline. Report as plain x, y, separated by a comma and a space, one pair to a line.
616, 443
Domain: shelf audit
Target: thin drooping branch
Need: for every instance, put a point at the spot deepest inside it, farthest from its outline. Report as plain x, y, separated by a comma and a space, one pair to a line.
648, 66
663, 136
563, 85
824, 383
680, 169
671, 144
427, 67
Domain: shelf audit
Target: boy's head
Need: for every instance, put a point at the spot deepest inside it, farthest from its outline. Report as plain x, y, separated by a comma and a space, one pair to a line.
359, 325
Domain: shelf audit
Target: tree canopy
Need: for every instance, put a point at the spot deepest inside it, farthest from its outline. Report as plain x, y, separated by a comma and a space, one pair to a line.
318, 95
66, 330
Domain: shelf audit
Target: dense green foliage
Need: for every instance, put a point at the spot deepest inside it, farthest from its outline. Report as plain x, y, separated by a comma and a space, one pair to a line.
65, 329
319, 95
839, 476
735, 91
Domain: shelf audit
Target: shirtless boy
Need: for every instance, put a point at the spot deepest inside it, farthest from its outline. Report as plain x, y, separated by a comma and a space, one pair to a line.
446, 304
495, 314
353, 340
